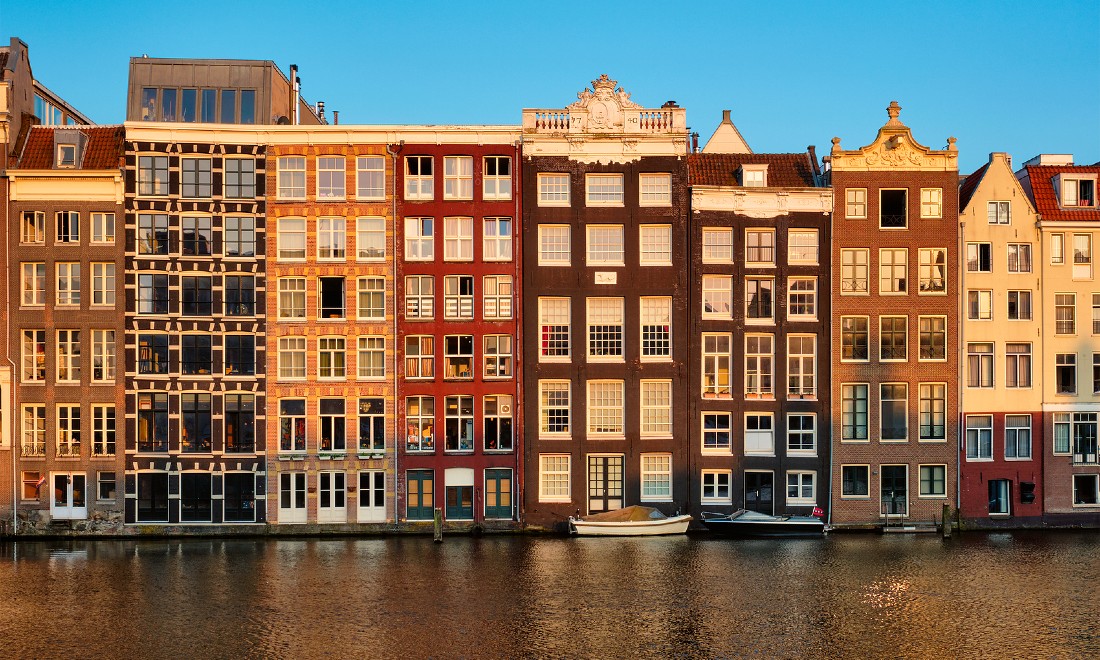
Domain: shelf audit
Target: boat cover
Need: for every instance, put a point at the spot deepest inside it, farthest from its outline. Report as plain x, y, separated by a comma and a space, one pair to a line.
627, 514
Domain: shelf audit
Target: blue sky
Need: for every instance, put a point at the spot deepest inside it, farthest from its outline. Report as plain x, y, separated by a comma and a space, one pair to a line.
1021, 77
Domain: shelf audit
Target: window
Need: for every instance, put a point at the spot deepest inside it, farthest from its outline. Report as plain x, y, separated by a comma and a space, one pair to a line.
34, 430
420, 417
497, 430
933, 338
605, 408
801, 364
717, 296
195, 296
855, 203
894, 420
854, 272
419, 297
68, 283
103, 356
1065, 373
103, 283
106, 490
655, 245
979, 365
496, 297
760, 246
497, 178
330, 177
655, 189
1018, 437
153, 354
333, 425
979, 258
605, 329
420, 356
855, 481
68, 431
854, 340
33, 284
717, 429
372, 424
605, 245
1096, 373
1019, 305
152, 175
933, 481
497, 355
419, 183
933, 271
371, 177
370, 239
195, 177
892, 338
656, 328
1017, 364
331, 363
292, 239
458, 356
893, 209
802, 298
553, 189
893, 267
554, 407
195, 423
458, 177
933, 411
292, 177
331, 239
330, 297
34, 227
371, 299
603, 189
931, 202
754, 176
240, 423
419, 239
800, 488
496, 239
1081, 428
240, 178
292, 497
979, 305
1078, 192
372, 358
802, 246
152, 496
554, 329
1086, 489
554, 249
152, 424
758, 366
998, 213
152, 234
196, 356
103, 430
292, 298
459, 423
68, 356
656, 478
34, 356
716, 365
979, 437
1019, 257
458, 297
292, 426
1082, 256
716, 487
854, 411
103, 228
1065, 313
240, 295
1057, 249
759, 295
656, 401
1096, 313
801, 434
717, 245
554, 478
292, 358
458, 239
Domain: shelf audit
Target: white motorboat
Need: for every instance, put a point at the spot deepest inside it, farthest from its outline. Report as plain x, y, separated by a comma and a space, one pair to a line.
629, 521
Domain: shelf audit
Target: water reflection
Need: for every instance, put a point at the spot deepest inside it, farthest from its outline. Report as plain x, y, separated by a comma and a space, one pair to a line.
898, 596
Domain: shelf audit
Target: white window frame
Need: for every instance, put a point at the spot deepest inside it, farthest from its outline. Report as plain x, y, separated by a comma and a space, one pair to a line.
794, 432
932, 408
419, 239
550, 310
655, 245
291, 177
850, 272
604, 189
605, 313
759, 441
372, 291
716, 364
715, 432
855, 200
555, 480
799, 247
332, 239
610, 249
555, 233
717, 298
759, 366
888, 271
931, 203
458, 177
372, 168
68, 283
806, 364
370, 361
656, 475
551, 191
331, 178
920, 481
292, 358
655, 398
103, 283
905, 336
104, 351
605, 409
759, 241
801, 297
561, 405
927, 273
804, 479
711, 482
494, 185
496, 239
420, 186
982, 427
905, 415
717, 245
103, 228
496, 297
654, 189
655, 328
370, 238
292, 292
287, 228
1021, 425
999, 212
32, 284
419, 304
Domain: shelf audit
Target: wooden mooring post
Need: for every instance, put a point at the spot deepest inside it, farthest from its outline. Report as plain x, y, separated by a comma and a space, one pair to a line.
946, 520
438, 525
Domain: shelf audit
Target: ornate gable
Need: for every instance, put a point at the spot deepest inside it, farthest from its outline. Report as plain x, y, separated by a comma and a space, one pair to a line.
895, 148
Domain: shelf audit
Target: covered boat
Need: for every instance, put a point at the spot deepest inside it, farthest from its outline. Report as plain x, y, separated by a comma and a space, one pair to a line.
629, 521
753, 524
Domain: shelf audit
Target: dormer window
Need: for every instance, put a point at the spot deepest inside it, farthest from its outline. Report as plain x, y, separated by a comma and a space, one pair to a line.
1078, 192
66, 155
754, 176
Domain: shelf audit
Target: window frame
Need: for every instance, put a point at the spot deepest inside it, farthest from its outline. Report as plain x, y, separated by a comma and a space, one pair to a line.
600, 189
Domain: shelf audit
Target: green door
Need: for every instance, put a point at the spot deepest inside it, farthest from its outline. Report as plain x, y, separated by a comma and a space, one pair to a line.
420, 494
498, 493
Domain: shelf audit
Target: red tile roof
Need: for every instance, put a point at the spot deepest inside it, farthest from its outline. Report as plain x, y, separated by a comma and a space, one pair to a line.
966, 191
104, 149
784, 170
1045, 197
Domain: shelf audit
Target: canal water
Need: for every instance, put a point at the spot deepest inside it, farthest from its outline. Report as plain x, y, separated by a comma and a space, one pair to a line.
993, 595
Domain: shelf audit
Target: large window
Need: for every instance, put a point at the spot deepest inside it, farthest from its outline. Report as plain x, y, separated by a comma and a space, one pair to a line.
998, 212
855, 481
195, 177
801, 365
153, 354
893, 346
554, 407
554, 248
152, 497
34, 356
372, 424
330, 177
760, 246
1019, 305
802, 298
605, 245
497, 178
292, 177
933, 271
759, 352
103, 430
1019, 257
292, 239
68, 356
979, 437
979, 257
240, 178
458, 357
152, 234
656, 328
554, 478
893, 208
420, 417
33, 284
496, 239
894, 417
34, 430
717, 429
292, 425
196, 355
933, 338
655, 189
1065, 313
103, 227
933, 411
717, 487
196, 298
419, 182
331, 358
760, 434
497, 356
103, 283
931, 202
458, 239
979, 304
603, 189
68, 283
759, 296
68, 431
330, 298
333, 424
496, 296
240, 423
34, 227
979, 364
1082, 256
458, 423
195, 423
655, 245
854, 412
553, 189
152, 294
1017, 364
716, 364
605, 329
152, 422
933, 481
458, 177
717, 296
855, 200
801, 434
800, 488
292, 358
372, 358
419, 239
656, 408
1065, 373
292, 298
853, 273
420, 297
370, 239
554, 329
458, 297
371, 177
103, 356
717, 245
240, 295
152, 175
497, 422
854, 340
1018, 437
893, 271
656, 478
331, 239
420, 356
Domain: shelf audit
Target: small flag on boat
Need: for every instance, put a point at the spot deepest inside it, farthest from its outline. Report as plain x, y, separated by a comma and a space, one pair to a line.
818, 512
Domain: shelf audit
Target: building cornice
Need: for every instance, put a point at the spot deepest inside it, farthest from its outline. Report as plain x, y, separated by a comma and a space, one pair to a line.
340, 134
763, 202
66, 185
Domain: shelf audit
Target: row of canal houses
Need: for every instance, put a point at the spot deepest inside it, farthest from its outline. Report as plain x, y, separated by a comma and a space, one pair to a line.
229, 313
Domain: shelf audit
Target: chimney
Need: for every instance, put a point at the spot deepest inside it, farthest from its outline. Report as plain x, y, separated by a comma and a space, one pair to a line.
295, 89
336, 117
726, 117
321, 111
695, 142
812, 150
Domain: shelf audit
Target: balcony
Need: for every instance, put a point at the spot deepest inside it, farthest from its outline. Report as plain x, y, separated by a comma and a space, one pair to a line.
34, 450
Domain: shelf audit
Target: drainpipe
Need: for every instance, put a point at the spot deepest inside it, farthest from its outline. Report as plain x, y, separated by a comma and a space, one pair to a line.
517, 346
396, 431
832, 376
12, 397
960, 245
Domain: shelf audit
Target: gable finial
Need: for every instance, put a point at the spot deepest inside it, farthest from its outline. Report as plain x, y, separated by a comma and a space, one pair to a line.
893, 110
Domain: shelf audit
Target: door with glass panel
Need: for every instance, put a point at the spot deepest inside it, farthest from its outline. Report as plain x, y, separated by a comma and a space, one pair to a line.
498, 493
894, 490
605, 483
292, 497
758, 492
331, 497
69, 500
372, 496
